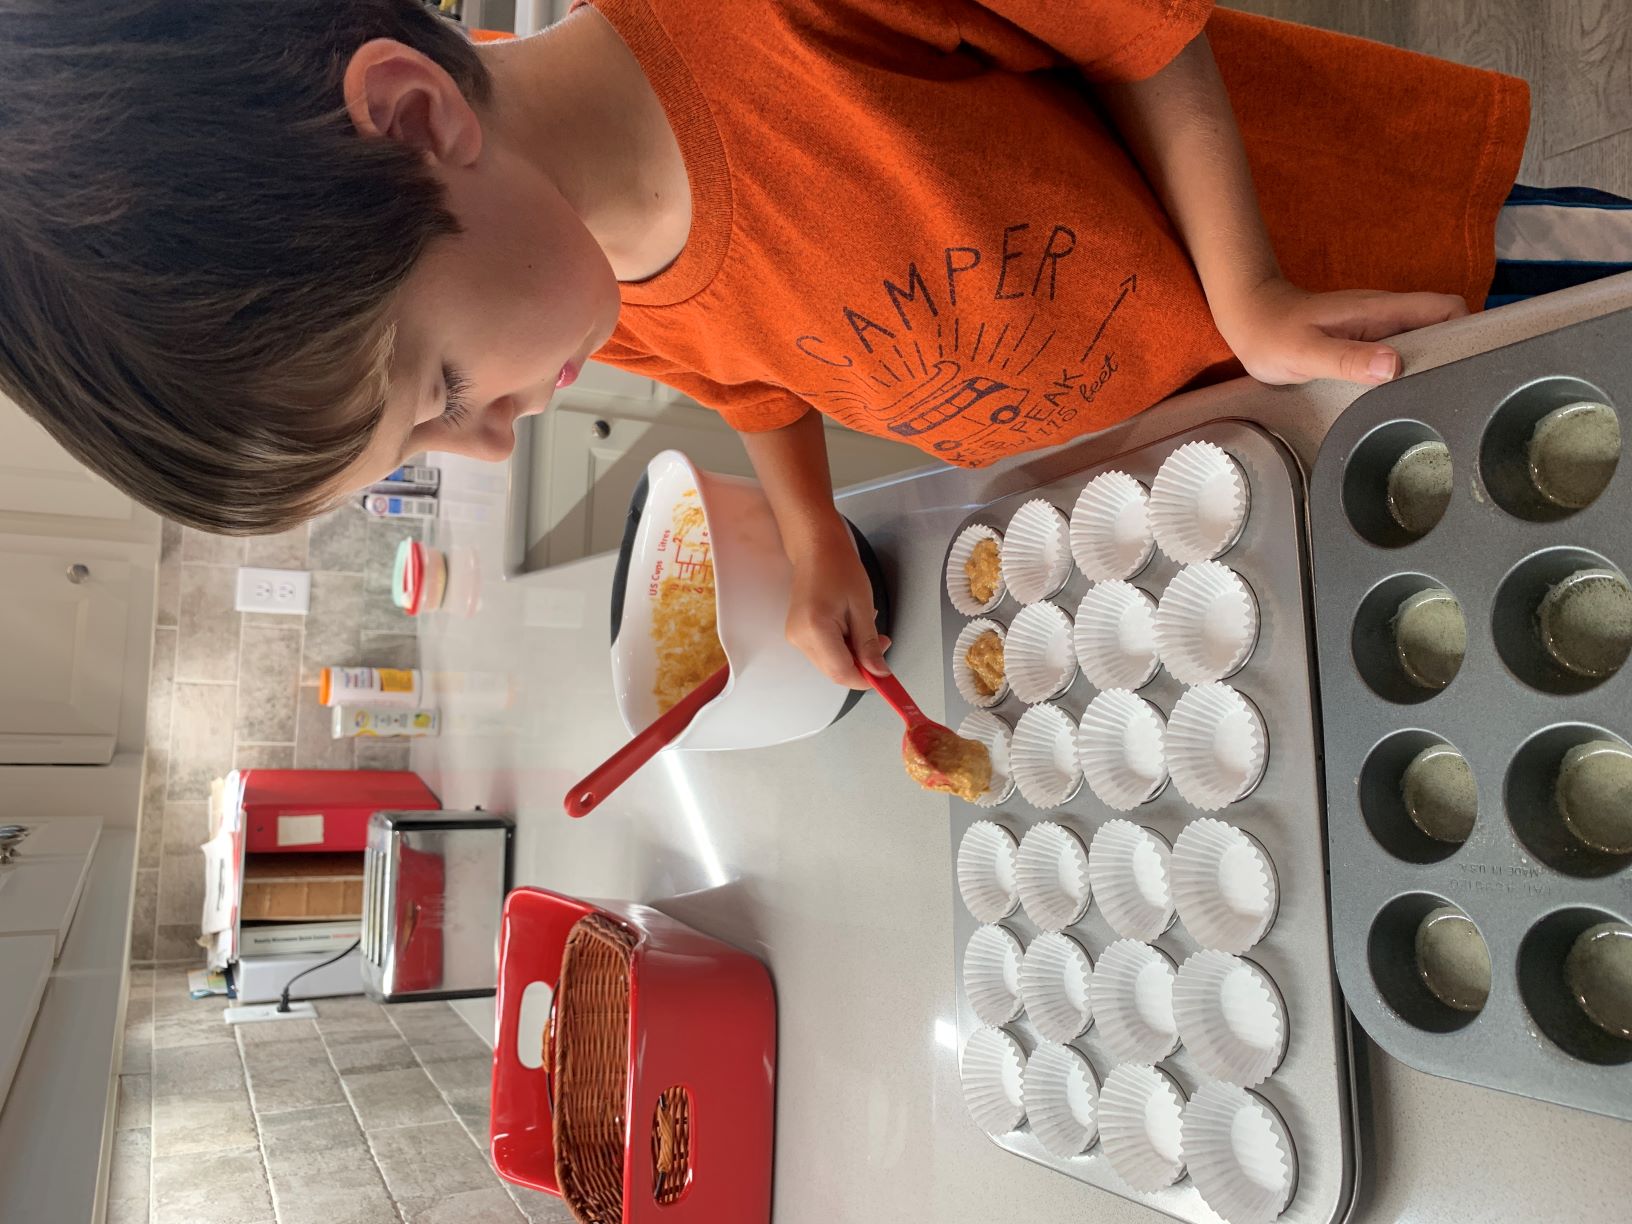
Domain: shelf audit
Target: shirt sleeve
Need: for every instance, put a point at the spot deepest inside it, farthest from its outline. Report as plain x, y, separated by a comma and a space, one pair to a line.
747, 407
1107, 41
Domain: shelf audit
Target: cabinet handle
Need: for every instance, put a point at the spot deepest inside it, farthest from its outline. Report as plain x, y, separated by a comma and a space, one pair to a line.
78, 573
601, 430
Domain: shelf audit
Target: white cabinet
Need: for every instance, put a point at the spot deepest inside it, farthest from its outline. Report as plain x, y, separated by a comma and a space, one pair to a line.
591, 448
63, 629
38, 477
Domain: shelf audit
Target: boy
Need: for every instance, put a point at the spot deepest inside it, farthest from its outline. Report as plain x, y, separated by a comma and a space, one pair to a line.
256, 254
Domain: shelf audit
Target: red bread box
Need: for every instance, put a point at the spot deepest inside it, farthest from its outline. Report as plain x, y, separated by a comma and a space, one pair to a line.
300, 811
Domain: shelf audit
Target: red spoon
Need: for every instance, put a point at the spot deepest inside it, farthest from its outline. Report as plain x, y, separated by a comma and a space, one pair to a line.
618, 768
923, 734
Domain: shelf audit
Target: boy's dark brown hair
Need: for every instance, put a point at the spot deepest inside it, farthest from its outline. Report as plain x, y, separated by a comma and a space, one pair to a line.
197, 251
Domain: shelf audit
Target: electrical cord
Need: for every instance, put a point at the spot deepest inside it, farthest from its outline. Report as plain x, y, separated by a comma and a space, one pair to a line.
283, 1000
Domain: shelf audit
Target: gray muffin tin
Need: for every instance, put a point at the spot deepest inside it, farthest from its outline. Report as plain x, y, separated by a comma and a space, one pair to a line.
1312, 1089
1519, 876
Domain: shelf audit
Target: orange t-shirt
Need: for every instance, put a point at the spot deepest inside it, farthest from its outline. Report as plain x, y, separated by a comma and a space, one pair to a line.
911, 217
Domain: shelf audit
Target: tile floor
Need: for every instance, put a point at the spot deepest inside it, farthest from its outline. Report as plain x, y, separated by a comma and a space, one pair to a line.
368, 1115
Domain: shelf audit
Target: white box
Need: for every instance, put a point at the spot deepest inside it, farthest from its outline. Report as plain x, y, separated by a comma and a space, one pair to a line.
261, 979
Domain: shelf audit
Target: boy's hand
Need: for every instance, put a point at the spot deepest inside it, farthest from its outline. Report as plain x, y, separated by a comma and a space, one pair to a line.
1283, 334
830, 610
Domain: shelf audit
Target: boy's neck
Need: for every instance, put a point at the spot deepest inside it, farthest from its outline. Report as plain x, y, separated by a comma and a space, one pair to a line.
574, 101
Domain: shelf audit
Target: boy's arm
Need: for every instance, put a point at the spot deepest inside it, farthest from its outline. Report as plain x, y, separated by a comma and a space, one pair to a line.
1180, 129
831, 609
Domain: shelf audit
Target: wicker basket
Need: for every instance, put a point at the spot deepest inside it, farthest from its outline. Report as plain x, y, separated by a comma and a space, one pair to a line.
591, 1064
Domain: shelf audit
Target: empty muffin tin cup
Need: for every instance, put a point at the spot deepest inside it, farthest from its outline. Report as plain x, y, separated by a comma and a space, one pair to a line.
977, 554
1111, 537
1217, 746
1239, 1154
1575, 977
1206, 623
1598, 971
989, 729
1044, 756
1115, 636
1037, 653
1568, 796
991, 974
1550, 448
1036, 552
1198, 503
1593, 795
1141, 1111
984, 683
1224, 885
1051, 872
1231, 1017
1573, 453
1061, 1094
1397, 483
1132, 998
1452, 959
1121, 746
1128, 871
1418, 796
993, 1071
1585, 622
986, 871
1430, 637
1562, 620
1054, 986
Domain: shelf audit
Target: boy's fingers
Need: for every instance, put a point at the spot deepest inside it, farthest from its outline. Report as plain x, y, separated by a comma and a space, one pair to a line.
1349, 360
1376, 317
824, 644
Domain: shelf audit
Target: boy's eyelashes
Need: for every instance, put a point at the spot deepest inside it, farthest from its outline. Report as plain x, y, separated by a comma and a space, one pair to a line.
456, 389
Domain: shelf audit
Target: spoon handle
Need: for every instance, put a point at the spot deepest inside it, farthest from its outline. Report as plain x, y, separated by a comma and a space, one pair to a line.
889, 688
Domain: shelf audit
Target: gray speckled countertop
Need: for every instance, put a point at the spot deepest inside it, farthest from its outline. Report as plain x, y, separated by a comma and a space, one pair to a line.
842, 885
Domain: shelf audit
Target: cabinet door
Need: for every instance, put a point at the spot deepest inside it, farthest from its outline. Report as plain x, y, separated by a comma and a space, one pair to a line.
587, 462
38, 477
62, 651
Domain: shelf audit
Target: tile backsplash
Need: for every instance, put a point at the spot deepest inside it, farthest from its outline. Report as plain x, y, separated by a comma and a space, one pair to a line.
234, 690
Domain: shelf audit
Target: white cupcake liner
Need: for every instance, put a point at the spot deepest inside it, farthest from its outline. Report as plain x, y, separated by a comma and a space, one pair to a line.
1132, 997
1054, 986
1239, 1153
1061, 1095
1127, 870
1121, 747
1115, 636
1198, 503
1216, 746
1043, 756
957, 581
992, 731
1141, 1111
1051, 872
963, 677
1224, 885
1206, 623
991, 974
1231, 1017
1037, 655
1036, 552
986, 870
993, 1071
1110, 528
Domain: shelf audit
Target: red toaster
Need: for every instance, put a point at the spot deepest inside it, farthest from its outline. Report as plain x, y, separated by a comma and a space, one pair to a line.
635, 1068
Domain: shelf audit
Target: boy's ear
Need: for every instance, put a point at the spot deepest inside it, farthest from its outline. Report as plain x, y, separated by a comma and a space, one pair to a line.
395, 93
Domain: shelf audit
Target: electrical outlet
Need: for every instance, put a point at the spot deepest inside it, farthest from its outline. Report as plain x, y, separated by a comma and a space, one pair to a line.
274, 590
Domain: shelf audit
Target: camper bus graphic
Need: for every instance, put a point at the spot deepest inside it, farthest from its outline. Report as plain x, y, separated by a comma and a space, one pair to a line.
947, 395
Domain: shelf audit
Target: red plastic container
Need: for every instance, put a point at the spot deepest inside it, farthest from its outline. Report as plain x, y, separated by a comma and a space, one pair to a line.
302, 811
702, 1017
